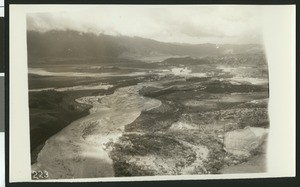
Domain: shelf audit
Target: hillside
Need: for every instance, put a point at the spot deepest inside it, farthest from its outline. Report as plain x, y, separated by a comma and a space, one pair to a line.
73, 44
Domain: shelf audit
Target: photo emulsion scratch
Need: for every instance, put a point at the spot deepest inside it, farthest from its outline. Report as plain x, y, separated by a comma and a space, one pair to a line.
123, 91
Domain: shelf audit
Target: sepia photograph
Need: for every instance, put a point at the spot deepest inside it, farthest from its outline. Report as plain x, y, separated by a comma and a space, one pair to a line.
115, 93
126, 91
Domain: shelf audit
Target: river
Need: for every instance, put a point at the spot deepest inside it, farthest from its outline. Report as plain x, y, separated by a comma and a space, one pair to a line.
79, 150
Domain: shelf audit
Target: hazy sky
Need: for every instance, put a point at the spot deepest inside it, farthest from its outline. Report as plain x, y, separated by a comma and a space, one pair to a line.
181, 24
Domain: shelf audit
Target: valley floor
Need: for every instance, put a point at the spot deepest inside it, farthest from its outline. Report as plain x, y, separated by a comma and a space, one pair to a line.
154, 129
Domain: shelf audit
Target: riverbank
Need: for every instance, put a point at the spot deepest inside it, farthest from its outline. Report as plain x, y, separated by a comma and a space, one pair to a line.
78, 151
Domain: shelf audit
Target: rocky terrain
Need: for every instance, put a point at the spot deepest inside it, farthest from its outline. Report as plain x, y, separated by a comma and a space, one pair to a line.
192, 132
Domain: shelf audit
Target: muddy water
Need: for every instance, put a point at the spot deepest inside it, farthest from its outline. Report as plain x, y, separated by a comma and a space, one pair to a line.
78, 151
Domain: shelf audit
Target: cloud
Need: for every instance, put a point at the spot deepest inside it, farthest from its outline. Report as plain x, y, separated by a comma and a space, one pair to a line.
181, 24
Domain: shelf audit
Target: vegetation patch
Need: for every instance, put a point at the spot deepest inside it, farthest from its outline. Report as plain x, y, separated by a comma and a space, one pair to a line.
166, 150
50, 111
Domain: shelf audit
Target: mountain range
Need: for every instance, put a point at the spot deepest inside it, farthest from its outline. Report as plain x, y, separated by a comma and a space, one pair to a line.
73, 44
